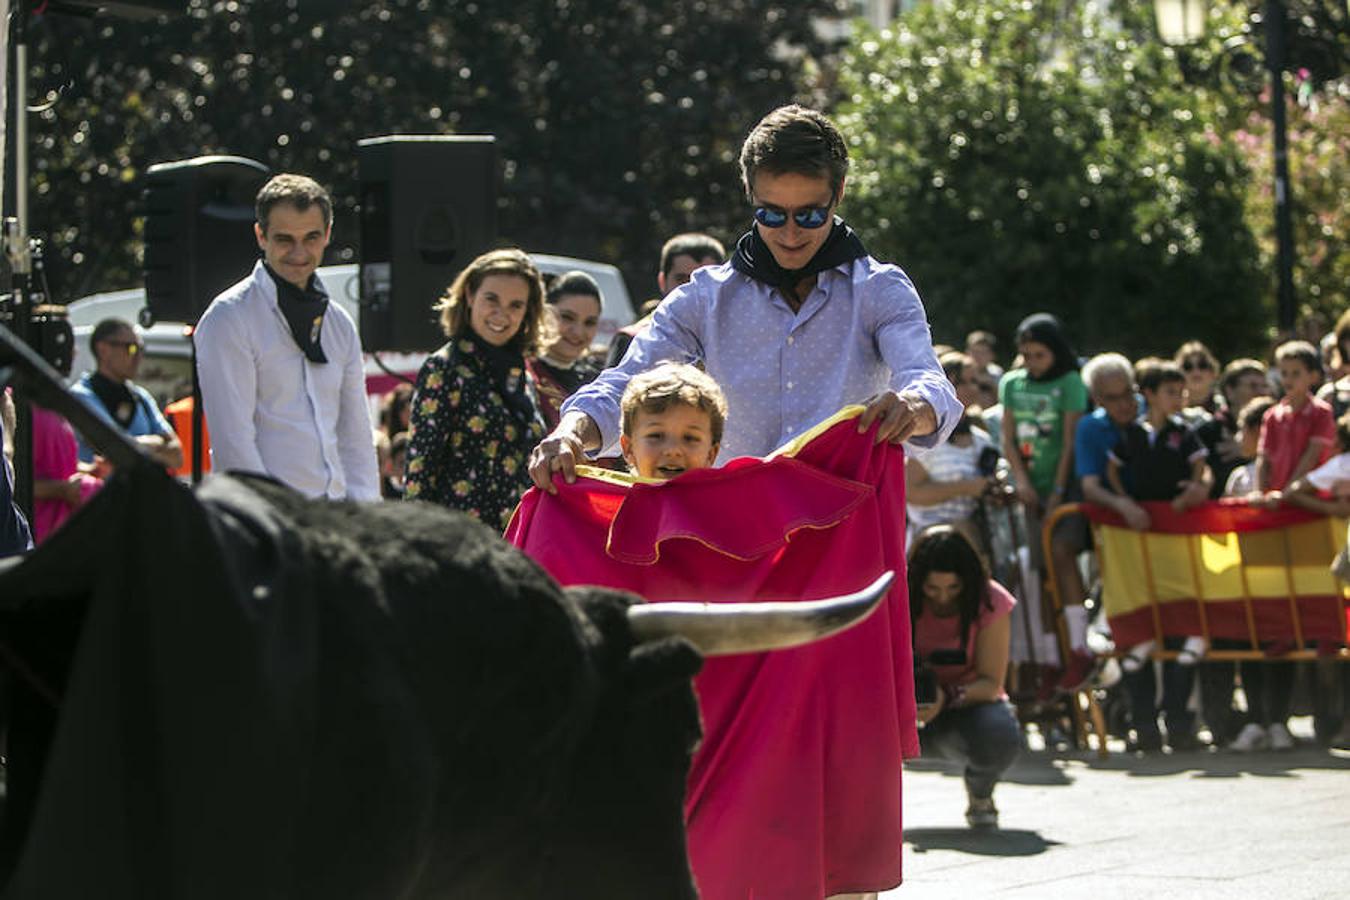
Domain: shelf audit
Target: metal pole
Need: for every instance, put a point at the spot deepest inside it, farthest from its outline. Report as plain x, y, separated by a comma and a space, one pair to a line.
1284, 227
21, 261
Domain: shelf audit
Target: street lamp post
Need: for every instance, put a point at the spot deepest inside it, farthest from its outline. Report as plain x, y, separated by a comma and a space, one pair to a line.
1284, 223
1183, 21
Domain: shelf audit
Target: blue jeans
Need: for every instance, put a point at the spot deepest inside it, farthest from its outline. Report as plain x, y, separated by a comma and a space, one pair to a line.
983, 736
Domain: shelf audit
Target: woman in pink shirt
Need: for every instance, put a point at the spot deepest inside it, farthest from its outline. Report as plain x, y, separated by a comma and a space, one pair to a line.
957, 609
59, 485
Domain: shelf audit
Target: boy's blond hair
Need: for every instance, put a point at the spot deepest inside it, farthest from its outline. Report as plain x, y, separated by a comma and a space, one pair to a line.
657, 389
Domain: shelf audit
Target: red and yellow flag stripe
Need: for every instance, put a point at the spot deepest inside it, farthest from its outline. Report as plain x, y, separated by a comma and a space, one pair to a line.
1223, 570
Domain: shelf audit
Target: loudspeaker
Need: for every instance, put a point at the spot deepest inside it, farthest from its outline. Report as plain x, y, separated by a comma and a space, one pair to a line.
428, 208
198, 232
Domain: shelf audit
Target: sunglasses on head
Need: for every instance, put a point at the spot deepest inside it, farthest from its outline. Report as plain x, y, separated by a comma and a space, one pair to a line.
805, 217
1191, 365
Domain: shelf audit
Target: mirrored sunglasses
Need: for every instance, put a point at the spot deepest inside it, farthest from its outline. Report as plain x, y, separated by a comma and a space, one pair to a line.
805, 217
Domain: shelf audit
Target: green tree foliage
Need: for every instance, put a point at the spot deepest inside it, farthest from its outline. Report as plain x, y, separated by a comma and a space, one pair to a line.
618, 121
1319, 172
1016, 157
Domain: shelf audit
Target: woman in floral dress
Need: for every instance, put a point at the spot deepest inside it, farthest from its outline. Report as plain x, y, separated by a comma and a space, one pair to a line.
474, 414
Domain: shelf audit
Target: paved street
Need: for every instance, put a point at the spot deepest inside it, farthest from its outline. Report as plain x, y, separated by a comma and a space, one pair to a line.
1196, 825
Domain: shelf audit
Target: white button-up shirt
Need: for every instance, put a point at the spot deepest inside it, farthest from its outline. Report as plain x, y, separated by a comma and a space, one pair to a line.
270, 410
860, 331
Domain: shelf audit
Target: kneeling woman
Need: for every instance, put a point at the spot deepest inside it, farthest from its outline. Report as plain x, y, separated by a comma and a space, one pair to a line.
955, 605
474, 415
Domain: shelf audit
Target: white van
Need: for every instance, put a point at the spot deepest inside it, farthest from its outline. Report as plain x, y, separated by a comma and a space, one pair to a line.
166, 370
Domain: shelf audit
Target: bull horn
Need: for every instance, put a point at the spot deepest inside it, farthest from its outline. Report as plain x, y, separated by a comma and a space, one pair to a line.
719, 629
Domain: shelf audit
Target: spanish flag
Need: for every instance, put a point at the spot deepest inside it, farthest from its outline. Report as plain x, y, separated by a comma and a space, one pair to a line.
1222, 570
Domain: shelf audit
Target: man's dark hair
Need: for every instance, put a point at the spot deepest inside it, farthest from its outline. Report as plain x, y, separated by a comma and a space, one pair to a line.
941, 548
1152, 373
954, 364
699, 246
794, 140
574, 282
299, 191
107, 329
1235, 370
981, 337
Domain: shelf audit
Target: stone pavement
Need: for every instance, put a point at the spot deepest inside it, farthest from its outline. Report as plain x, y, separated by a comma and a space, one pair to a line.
1191, 825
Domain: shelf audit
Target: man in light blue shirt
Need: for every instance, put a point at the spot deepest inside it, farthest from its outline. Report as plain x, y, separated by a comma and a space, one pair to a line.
802, 321
114, 397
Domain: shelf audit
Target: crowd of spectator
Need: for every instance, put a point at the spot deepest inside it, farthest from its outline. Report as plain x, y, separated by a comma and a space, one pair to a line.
1183, 429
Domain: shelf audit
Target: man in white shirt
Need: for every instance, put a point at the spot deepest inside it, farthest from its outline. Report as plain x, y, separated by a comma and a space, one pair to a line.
281, 372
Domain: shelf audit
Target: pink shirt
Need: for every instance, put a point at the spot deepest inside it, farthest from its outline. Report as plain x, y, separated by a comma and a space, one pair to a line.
1287, 432
55, 458
944, 633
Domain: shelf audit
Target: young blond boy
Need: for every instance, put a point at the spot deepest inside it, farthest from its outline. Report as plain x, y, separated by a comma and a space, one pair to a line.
673, 417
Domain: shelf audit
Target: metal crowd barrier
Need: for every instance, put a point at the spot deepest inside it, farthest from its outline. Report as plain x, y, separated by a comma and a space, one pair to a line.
1086, 709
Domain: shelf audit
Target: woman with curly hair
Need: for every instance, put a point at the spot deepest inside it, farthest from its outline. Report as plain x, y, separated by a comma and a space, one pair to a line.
474, 413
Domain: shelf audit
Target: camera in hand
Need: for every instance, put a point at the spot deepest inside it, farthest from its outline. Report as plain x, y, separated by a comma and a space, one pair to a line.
925, 676
988, 462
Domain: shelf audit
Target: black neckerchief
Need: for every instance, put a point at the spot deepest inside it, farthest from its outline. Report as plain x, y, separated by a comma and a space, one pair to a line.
304, 311
754, 258
116, 398
506, 366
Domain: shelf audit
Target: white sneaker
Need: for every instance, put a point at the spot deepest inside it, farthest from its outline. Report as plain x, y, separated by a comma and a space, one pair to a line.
1280, 738
1251, 738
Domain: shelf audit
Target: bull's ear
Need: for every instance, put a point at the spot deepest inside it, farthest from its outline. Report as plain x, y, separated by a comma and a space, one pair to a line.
719, 629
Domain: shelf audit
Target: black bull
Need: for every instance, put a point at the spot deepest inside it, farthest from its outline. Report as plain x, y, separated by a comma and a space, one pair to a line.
241, 693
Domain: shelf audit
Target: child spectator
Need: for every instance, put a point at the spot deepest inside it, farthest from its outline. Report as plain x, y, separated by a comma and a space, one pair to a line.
1336, 391
982, 346
1202, 370
963, 372
1165, 461
1333, 476
394, 467
1326, 490
673, 416
1217, 676
1242, 380
1298, 433
1297, 419
1042, 403
944, 485
1242, 480
1162, 454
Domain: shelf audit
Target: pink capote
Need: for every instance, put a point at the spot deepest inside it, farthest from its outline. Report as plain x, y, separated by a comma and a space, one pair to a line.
795, 789
55, 458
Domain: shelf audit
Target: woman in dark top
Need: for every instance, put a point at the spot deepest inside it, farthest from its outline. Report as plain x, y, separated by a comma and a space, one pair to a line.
564, 365
475, 417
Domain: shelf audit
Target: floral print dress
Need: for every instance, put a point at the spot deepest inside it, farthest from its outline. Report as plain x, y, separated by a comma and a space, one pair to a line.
470, 439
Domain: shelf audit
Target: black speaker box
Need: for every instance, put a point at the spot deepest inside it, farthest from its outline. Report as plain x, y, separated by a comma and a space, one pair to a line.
428, 208
198, 232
